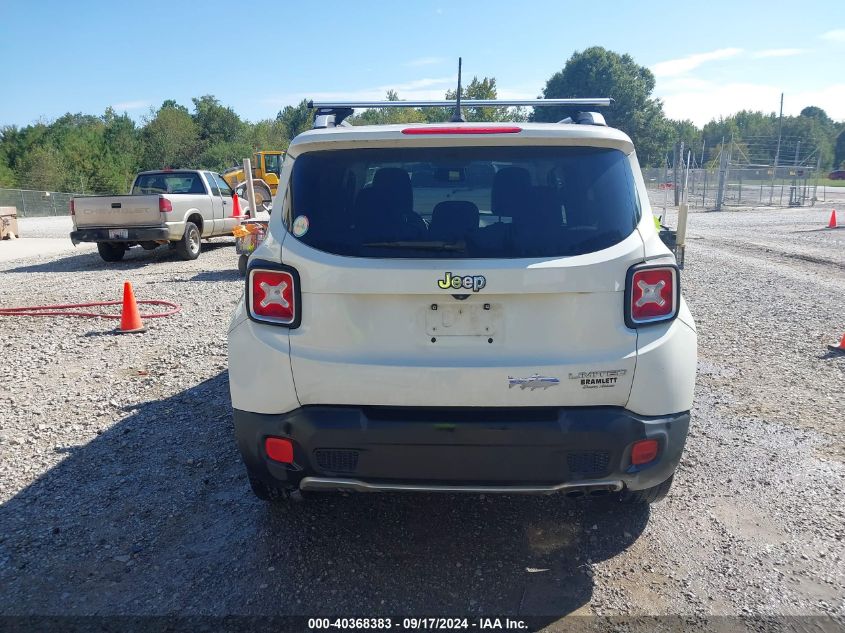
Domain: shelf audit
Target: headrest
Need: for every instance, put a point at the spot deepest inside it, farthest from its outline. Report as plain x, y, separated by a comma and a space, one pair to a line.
511, 188
453, 219
394, 183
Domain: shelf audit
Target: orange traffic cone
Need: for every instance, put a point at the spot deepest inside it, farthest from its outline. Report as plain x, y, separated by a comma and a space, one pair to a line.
236, 205
838, 348
832, 223
130, 317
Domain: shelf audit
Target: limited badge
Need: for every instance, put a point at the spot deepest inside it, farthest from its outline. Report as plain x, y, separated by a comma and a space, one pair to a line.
598, 379
300, 225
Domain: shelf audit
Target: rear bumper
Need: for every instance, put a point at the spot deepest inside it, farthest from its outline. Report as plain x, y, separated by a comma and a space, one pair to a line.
154, 234
539, 450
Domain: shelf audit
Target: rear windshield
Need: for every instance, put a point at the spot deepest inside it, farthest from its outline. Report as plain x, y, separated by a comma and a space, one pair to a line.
170, 182
473, 202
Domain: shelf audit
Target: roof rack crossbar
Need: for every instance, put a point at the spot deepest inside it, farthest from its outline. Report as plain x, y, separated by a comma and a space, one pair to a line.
592, 102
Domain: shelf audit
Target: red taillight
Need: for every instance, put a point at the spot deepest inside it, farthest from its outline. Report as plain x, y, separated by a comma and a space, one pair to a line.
273, 297
644, 451
279, 449
458, 129
652, 294
72, 207
164, 205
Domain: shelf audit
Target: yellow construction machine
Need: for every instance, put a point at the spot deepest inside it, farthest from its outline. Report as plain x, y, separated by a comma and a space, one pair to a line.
266, 169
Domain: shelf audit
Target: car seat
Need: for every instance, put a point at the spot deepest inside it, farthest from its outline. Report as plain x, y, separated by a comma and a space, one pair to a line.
452, 220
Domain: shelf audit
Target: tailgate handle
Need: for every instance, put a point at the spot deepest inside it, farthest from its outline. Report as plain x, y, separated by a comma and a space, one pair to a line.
115, 205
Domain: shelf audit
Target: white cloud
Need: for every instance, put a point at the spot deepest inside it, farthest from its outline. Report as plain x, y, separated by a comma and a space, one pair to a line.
710, 100
425, 61
673, 67
777, 52
131, 105
836, 35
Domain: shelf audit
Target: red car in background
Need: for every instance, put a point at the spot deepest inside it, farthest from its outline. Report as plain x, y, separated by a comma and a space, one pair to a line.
838, 174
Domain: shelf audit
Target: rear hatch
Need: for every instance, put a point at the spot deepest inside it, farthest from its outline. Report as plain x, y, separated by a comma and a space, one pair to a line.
451, 276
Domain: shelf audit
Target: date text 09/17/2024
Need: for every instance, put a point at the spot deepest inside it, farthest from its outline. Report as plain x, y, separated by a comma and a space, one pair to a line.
413, 624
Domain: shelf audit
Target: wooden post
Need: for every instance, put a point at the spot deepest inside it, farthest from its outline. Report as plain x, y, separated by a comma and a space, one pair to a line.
250, 189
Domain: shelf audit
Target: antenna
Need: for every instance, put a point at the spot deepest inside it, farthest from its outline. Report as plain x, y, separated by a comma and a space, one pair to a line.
457, 116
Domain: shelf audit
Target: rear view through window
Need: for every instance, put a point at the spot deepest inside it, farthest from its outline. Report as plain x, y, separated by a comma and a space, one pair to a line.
463, 202
169, 182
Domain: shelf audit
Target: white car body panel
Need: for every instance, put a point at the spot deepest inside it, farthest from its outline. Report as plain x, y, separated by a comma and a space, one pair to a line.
365, 336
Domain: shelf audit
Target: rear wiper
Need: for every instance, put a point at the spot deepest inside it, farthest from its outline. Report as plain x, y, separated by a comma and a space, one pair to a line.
422, 246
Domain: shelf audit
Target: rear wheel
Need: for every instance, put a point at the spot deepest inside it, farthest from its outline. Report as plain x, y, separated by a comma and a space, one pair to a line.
111, 251
191, 243
648, 495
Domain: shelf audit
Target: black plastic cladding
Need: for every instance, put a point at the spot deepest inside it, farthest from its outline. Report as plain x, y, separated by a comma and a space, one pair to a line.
263, 264
628, 289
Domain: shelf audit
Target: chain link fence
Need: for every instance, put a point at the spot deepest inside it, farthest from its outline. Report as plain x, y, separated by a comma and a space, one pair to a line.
36, 204
736, 187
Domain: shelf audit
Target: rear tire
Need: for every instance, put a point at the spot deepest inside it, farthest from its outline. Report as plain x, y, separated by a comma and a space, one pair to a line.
190, 245
111, 251
648, 495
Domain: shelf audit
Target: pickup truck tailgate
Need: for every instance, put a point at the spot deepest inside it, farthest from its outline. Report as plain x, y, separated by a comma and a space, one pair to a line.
123, 211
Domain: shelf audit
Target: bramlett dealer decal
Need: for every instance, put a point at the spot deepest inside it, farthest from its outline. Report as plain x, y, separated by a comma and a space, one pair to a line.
598, 379
456, 282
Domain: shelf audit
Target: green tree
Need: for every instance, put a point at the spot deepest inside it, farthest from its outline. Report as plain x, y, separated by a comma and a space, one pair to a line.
41, 168
484, 89
216, 123
268, 134
121, 153
170, 138
597, 72
295, 119
388, 116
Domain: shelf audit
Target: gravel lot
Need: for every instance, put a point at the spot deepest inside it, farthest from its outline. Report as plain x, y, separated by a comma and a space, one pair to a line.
122, 491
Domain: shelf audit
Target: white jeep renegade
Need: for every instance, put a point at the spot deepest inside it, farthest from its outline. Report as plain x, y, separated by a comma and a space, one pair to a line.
462, 307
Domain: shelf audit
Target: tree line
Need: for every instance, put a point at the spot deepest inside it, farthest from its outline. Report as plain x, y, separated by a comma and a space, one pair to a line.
89, 153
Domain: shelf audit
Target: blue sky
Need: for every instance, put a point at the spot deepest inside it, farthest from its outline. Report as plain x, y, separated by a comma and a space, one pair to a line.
710, 58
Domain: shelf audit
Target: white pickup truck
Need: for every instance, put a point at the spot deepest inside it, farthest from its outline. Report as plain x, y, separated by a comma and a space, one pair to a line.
176, 207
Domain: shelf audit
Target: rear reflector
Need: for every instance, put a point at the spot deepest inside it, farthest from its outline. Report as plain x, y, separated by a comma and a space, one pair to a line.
644, 451
279, 450
272, 297
500, 129
164, 205
72, 207
652, 294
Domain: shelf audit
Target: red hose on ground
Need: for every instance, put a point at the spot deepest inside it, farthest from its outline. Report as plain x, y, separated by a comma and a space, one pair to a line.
64, 309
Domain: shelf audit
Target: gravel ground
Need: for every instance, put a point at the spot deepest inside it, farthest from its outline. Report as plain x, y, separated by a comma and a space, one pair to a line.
122, 491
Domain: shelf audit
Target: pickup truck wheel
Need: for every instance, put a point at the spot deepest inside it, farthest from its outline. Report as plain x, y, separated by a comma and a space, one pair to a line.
111, 251
648, 495
191, 243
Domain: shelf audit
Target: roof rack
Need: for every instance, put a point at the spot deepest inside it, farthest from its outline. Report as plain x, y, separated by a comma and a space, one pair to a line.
333, 113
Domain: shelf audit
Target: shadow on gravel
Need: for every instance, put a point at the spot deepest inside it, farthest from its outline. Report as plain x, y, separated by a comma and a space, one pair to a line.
155, 516
136, 258
219, 275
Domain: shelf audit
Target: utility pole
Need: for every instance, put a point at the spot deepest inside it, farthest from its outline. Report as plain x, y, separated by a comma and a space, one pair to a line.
777, 151
678, 182
720, 188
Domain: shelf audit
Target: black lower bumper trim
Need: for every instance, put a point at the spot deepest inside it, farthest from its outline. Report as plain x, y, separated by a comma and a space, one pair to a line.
155, 234
462, 447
